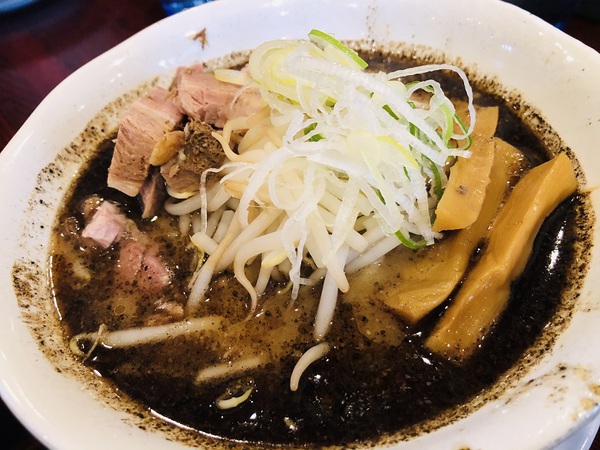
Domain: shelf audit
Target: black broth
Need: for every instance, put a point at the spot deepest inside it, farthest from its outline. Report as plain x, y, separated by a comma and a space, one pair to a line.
360, 391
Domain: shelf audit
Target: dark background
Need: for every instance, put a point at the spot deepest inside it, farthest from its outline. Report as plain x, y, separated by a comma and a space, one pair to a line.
41, 45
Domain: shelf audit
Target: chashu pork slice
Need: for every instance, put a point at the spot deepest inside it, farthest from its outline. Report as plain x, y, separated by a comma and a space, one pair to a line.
202, 97
144, 123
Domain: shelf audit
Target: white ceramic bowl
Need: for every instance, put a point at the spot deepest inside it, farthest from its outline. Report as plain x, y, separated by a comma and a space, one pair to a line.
555, 73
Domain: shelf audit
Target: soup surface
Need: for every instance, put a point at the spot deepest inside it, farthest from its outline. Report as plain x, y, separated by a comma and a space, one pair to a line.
377, 379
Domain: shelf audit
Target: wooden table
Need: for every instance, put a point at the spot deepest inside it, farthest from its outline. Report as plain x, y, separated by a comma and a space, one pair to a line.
40, 46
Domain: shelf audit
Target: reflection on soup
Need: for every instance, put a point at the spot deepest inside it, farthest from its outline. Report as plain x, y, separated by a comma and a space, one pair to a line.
306, 252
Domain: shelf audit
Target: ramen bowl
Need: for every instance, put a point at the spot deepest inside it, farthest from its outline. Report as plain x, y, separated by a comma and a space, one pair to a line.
544, 403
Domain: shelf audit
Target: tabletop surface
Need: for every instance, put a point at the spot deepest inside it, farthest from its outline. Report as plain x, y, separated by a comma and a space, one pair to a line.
42, 44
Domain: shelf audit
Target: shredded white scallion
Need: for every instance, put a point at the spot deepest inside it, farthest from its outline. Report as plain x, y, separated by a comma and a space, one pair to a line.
339, 168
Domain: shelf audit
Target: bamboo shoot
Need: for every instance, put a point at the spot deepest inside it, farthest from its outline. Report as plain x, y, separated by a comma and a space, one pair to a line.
465, 192
486, 290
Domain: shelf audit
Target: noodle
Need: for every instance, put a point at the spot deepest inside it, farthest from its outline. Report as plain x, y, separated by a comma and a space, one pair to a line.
328, 300
264, 276
254, 229
207, 270
310, 356
136, 336
213, 221
229, 370
185, 221
382, 247
250, 249
204, 242
224, 224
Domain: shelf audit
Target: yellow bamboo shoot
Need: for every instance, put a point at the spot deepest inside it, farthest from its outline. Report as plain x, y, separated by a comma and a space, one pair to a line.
486, 290
486, 123
465, 192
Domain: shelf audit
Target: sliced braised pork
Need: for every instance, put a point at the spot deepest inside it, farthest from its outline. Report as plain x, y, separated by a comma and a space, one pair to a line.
144, 123
142, 264
201, 96
152, 193
140, 261
106, 225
